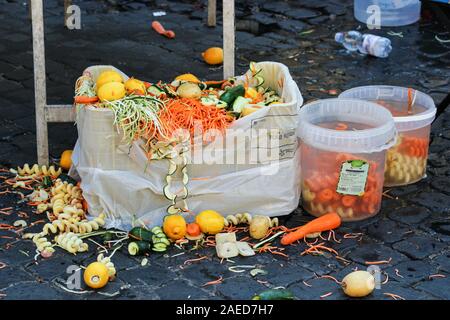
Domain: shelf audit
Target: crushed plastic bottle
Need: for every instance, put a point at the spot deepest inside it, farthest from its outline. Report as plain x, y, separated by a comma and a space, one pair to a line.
365, 43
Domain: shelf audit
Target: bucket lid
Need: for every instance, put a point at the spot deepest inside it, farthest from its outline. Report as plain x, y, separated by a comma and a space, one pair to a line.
397, 94
379, 136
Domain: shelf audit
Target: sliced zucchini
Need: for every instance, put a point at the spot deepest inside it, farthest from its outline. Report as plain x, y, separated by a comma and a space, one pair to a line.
172, 167
185, 178
168, 194
154, 90
157, 230
209, 101
139, 247
240, 103
221, 104
173, 210
159, 249
259, 81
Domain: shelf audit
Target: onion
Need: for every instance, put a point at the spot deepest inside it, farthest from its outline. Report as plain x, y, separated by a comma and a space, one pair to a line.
189, 90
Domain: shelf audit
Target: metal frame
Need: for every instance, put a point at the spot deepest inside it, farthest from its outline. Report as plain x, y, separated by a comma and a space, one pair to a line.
65, 113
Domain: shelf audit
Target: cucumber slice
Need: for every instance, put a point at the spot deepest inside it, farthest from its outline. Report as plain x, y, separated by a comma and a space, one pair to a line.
159, 249
156, 230
208, 101
221, 104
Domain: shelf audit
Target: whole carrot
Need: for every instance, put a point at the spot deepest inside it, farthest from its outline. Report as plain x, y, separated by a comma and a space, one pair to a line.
157, 26
326, 222
85, 99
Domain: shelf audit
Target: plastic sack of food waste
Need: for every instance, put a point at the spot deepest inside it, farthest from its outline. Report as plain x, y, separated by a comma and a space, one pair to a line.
224, 174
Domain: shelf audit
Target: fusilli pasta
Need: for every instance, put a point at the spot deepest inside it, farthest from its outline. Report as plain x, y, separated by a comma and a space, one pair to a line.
71, 242
38, 170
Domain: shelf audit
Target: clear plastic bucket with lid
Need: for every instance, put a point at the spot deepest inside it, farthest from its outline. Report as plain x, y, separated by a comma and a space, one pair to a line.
343, 152
413, 112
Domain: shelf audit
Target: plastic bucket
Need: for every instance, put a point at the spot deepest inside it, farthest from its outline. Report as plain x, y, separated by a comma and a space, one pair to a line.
406, 161
343, 152
390, 13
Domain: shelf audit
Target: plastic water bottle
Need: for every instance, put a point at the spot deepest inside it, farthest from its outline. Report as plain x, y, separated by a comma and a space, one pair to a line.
365, 43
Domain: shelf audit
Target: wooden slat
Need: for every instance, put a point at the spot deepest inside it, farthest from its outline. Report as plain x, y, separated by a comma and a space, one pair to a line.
212, 13
60, 113
40, 93
228, 38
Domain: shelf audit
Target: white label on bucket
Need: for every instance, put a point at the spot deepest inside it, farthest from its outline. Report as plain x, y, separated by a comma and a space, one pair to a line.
353, 177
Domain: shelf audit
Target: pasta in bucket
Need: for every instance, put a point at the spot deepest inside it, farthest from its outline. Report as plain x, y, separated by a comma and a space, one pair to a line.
413, 113
343, 151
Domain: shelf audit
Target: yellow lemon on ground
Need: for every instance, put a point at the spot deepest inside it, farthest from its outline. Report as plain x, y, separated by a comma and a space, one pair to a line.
111, 91
108, 76
248, 110
174, 226
66, 160
188, 77
213, 55
210, 221
96, 275
135, 86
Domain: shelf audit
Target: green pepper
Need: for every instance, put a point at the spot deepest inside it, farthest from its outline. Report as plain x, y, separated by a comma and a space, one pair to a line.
274, 294
231, 94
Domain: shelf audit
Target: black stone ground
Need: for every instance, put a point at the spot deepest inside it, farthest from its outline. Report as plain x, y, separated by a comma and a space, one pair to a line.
413, 227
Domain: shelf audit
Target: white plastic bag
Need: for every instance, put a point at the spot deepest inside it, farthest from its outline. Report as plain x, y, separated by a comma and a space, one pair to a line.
118, 179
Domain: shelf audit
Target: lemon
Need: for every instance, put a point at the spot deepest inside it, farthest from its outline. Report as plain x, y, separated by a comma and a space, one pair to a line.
96, 275
210, 221
135, 86
66, 160
188, 77
108, 76
111, 91
213, 55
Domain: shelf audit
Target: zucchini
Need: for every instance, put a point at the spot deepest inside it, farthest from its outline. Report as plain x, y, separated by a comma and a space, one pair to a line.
173, 210
274, 294
232, 93
139, 233
139, 247
259, 81
221, 104
157, 230
168, 194
154, 90
208, 101
46, 182
240, 103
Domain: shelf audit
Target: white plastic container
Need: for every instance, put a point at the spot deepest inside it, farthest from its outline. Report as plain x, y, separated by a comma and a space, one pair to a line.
392, 13
406, 161
343, 152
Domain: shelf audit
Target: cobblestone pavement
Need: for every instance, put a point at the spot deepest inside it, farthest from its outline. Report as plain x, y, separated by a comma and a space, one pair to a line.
413, 228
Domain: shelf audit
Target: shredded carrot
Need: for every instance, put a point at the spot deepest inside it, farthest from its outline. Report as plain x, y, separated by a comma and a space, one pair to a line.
379, 262
189, 114
218, 281
189, 261
5, 226
331, 278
